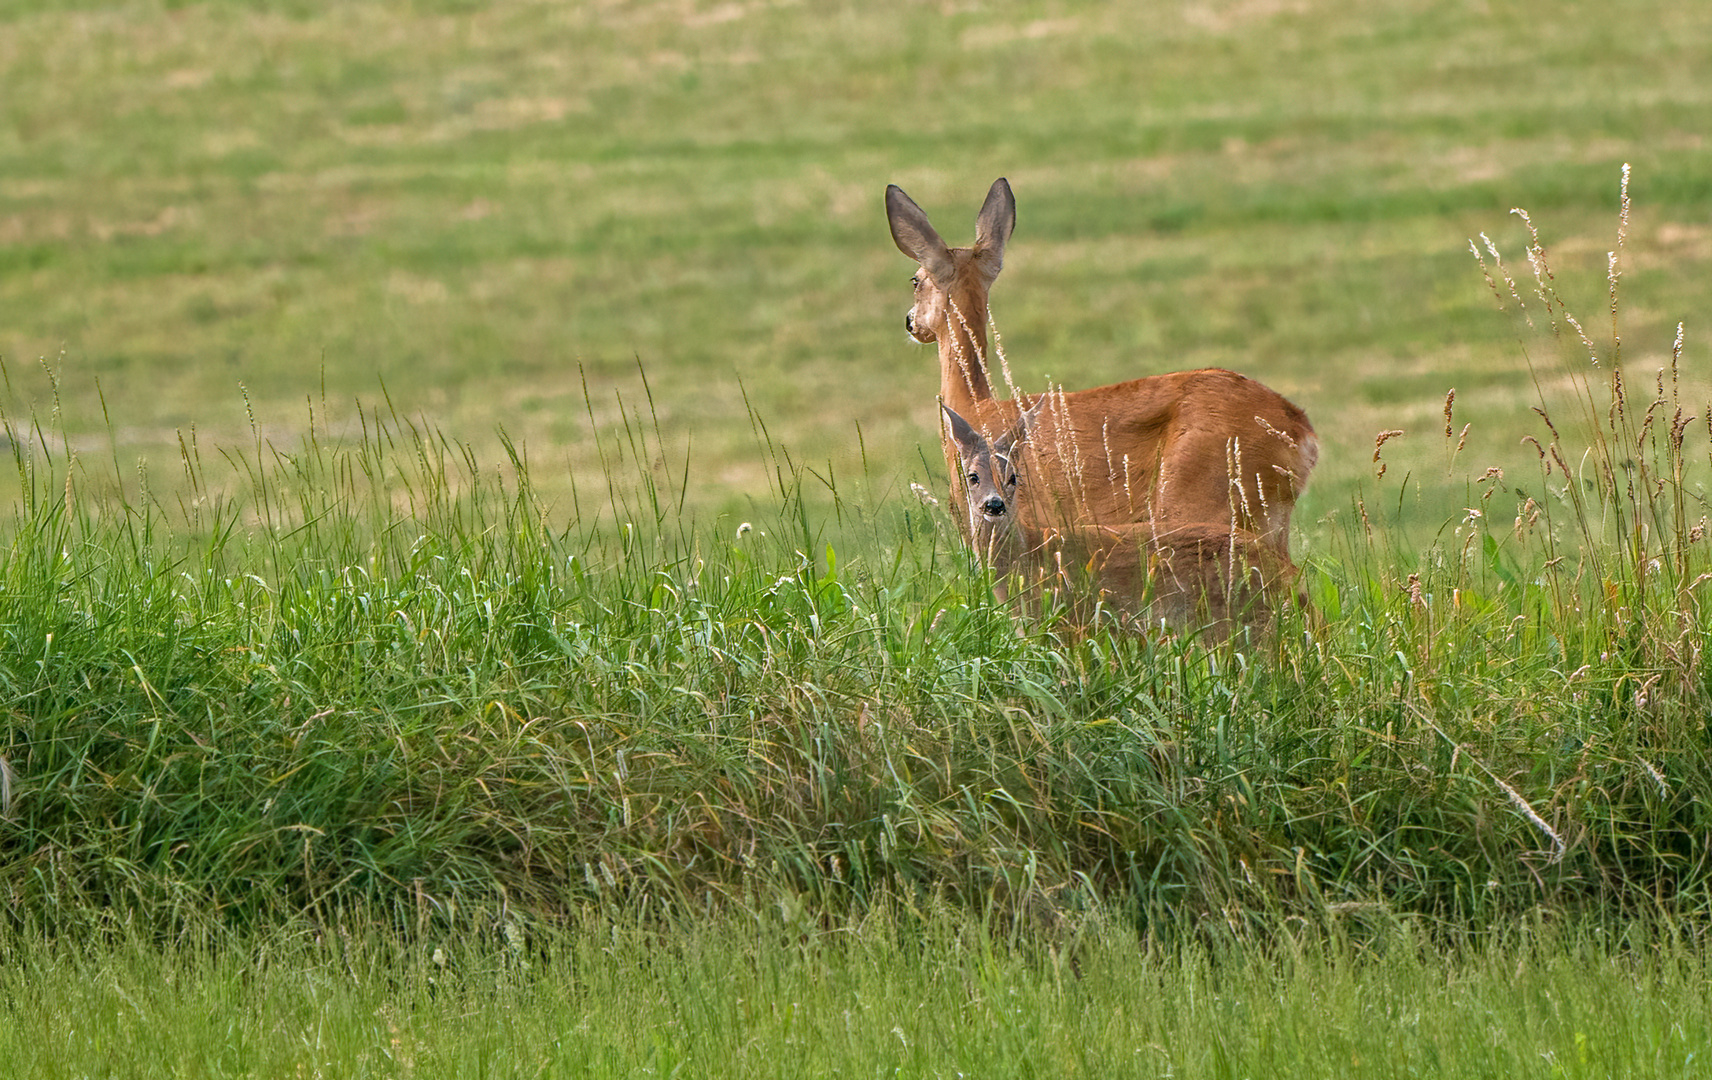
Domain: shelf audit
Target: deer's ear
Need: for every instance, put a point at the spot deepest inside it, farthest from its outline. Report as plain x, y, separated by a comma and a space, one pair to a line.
1028, 420
969, 441
916, 236
1025, 426
993, 226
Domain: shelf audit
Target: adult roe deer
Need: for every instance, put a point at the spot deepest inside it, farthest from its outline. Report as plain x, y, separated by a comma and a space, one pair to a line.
1203, 448
1189, 577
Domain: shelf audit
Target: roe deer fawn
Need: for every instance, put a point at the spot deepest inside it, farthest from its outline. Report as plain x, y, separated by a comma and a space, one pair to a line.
1200, 448
1190, 576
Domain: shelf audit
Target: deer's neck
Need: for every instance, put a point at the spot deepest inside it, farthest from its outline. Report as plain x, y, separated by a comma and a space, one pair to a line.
963, 382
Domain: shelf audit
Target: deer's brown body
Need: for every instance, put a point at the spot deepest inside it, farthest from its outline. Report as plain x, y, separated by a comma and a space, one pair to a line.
1192, 448
1189, 576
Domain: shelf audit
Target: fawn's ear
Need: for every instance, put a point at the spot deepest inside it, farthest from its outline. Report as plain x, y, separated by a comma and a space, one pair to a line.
916, 236
1025, 425
969, 441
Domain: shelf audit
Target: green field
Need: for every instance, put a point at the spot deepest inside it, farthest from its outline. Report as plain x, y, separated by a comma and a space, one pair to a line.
389, 685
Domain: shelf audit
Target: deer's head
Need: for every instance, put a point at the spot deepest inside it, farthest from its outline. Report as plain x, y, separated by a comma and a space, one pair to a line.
949, 276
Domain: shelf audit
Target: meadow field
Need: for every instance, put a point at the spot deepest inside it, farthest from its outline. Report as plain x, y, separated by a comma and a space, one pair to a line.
464, 608
488, 209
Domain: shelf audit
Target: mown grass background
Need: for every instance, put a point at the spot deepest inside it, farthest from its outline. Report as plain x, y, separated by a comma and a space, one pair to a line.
483, 206
385, 386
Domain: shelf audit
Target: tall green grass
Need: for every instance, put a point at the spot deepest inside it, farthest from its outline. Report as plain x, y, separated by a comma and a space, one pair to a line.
370, 673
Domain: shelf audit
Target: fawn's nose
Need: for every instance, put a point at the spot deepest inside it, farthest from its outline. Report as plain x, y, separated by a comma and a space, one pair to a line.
993, 507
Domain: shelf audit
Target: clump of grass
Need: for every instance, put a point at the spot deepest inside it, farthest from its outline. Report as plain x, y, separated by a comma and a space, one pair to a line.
1594, 585
1620, 531
1603, 552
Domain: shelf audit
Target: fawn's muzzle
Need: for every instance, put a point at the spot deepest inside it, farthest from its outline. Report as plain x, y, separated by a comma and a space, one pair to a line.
993, 507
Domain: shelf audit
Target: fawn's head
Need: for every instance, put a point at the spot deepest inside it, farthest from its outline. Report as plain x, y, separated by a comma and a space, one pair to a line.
947, 275
989, 468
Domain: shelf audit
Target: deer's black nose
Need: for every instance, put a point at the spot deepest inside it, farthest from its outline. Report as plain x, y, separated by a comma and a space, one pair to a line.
993, 507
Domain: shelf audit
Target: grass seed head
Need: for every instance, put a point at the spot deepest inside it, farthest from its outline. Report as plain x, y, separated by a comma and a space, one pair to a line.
1379, 442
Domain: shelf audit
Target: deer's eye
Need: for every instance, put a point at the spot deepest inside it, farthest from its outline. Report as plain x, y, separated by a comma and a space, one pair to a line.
1012, 481
974, 478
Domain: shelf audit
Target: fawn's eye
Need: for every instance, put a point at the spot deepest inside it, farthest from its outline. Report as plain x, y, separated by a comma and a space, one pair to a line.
974, 478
